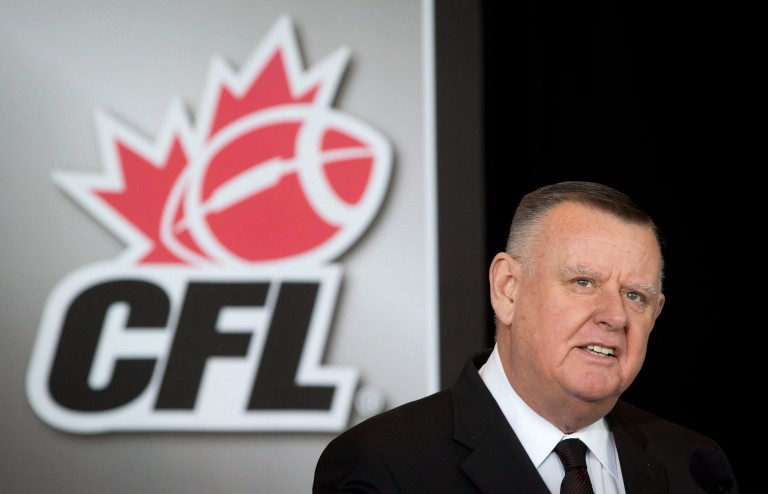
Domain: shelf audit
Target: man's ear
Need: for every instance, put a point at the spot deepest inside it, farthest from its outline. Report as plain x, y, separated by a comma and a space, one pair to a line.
503, 277
659, 305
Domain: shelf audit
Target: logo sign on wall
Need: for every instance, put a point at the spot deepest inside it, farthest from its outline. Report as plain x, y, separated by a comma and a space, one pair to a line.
216, 315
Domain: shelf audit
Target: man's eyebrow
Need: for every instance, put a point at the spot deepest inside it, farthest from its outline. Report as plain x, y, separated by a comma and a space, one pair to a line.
645, 287
581, 270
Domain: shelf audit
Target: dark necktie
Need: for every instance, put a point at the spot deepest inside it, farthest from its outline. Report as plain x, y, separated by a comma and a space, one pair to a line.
573, 454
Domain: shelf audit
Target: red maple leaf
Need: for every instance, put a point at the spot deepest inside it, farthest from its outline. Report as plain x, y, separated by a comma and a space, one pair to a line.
270, 89
144, 194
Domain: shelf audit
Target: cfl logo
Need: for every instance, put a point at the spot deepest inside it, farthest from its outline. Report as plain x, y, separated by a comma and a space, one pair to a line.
167, 348
216, 315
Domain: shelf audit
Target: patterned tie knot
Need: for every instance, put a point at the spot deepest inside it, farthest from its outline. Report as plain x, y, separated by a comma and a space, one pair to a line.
573, 455
572, 452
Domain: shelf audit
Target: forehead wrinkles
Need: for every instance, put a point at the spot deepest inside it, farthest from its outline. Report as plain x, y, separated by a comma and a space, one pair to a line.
588, 242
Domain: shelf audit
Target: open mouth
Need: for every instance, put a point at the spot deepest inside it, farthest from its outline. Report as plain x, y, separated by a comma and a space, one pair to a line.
600, 350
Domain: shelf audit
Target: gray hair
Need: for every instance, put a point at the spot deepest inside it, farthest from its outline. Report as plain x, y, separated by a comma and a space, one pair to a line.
535, 205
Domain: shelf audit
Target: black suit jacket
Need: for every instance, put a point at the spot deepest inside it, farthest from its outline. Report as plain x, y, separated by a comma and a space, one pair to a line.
458, 441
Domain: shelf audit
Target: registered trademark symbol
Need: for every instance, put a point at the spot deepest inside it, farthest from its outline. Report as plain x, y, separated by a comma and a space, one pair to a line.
369, 401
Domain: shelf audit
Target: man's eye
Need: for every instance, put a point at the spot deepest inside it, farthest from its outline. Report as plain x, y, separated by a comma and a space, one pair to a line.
583, 282
635, 296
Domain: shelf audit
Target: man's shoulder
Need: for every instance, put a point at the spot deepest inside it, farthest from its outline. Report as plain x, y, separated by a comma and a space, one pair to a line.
407, 418
435, 412
634, 418
426, 422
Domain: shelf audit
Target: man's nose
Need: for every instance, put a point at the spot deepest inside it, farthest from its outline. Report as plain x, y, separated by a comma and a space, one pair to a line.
611, 311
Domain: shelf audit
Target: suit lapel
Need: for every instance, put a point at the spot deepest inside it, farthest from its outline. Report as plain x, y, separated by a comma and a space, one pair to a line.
498, 463
642, 474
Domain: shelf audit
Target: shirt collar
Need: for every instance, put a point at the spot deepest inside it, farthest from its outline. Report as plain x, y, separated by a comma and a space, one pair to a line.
538, 436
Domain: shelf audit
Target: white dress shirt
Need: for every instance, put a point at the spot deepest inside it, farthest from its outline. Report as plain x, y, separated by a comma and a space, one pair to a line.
539, 437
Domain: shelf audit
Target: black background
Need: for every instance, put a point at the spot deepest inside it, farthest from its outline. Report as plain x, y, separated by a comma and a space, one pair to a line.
653, 99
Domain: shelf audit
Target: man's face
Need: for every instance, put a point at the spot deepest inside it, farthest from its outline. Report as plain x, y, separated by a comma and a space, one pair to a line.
579, 325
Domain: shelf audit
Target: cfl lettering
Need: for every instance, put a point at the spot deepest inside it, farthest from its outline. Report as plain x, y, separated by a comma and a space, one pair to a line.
176, 349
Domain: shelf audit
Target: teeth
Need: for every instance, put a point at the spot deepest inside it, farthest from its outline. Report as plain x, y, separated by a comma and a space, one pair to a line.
600, 350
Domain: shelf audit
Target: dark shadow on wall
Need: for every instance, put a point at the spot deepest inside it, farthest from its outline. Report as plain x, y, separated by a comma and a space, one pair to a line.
462, 271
